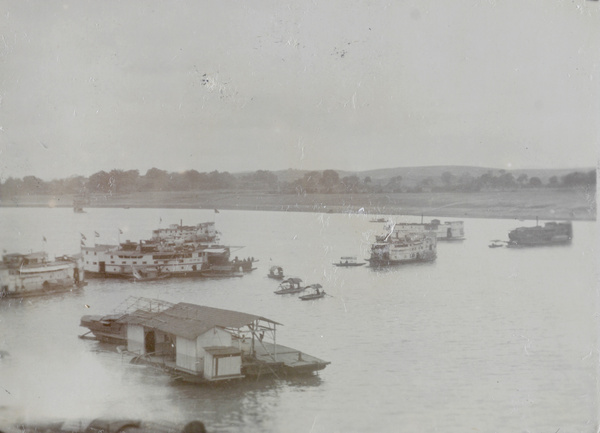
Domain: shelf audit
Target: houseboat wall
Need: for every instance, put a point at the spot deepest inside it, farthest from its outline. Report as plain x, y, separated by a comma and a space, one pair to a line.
193, 357
135, 339
218, 366
145, 341
187, 357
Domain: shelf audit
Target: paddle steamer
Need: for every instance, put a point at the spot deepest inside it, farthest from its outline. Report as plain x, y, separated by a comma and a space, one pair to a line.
179, 251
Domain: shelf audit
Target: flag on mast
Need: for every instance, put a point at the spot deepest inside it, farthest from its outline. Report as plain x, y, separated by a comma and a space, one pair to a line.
97, 234
83, 237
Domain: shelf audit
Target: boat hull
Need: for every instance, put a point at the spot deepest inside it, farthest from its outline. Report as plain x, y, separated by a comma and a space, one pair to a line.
311, 297
289, 291
376, 263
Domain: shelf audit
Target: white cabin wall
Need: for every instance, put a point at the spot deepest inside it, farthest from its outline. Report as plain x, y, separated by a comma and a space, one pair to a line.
230, 365
227, 366
135, 339
187, 356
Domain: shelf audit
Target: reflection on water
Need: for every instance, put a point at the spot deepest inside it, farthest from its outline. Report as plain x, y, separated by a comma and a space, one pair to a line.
488, 339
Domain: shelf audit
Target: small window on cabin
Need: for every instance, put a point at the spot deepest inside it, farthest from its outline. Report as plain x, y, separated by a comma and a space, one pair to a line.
135, 263
94, 252
94, 262
112, 261
143, 263
123, 262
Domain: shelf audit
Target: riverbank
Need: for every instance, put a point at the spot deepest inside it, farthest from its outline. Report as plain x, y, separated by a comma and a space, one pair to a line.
545, 204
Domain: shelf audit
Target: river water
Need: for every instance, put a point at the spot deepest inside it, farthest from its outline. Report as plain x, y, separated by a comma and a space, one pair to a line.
490, 340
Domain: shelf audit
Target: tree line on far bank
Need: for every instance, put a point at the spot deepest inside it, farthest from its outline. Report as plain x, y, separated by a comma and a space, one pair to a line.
314, 182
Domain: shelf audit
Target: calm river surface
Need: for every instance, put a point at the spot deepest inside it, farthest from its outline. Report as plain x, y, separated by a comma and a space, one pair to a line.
488, 340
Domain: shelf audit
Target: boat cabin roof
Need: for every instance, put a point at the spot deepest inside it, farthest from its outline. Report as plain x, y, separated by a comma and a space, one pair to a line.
190, 320
293, 280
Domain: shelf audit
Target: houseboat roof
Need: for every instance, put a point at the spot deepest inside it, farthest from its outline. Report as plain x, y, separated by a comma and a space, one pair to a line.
190, 321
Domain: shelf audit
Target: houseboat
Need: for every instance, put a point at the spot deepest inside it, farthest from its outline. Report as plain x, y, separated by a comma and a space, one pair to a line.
34, 274
177, 251
398, 247
203, 344
551, 233
447, 231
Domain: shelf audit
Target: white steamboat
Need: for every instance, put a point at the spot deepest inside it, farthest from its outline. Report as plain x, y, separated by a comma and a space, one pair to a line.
399, 246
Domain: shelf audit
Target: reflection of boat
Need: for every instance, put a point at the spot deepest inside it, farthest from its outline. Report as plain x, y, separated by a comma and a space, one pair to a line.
348, 262
111, 328
290, 286
34, 274
276, 272
496, 244
378, 220
552, 233
107, 425
399, 247
203, 344
149, 274
318, 293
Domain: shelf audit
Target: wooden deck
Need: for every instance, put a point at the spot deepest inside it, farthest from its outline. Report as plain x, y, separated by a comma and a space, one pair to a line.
269, 360
279, 359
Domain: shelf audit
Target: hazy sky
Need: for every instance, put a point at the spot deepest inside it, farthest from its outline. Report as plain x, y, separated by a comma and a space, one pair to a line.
273, 84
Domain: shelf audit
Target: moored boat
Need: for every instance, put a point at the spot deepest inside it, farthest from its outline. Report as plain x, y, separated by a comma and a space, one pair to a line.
276, 272
398, 247
33, 274
551, 233
290, 286
180, 251
317, 294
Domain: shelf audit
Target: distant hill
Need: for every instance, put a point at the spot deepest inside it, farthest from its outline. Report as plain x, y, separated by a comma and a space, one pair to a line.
413, 175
